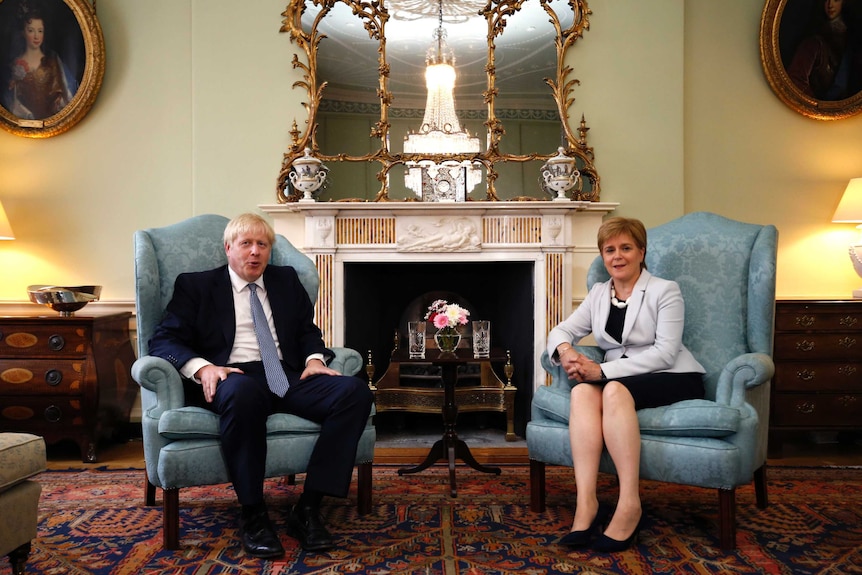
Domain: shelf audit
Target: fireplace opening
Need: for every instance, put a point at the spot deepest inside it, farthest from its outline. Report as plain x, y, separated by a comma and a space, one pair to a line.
377, 294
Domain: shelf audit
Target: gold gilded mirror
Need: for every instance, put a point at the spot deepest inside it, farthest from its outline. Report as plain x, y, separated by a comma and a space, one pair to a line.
387, 128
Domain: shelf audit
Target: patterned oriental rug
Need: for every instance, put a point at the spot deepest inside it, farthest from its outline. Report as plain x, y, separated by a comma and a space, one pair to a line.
94, 522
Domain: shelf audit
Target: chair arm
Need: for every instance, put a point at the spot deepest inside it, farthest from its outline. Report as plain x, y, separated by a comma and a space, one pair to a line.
742, 373
162, 385
347, 361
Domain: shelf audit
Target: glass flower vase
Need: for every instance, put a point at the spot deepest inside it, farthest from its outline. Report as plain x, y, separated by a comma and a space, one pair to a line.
447, 339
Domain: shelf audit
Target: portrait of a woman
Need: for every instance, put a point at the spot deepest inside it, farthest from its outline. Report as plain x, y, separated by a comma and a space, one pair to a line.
37, 82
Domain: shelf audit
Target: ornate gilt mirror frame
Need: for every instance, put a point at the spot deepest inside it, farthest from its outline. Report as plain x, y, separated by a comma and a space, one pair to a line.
374, 16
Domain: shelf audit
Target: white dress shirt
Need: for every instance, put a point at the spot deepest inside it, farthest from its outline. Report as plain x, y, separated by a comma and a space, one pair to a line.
245, 345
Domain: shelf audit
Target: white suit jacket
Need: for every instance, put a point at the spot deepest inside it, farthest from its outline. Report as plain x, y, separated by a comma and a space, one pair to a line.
652, 333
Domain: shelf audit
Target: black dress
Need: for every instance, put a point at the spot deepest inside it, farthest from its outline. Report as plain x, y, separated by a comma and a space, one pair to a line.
652, 389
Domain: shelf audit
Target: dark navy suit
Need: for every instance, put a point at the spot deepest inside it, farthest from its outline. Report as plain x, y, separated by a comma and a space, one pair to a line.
200, 321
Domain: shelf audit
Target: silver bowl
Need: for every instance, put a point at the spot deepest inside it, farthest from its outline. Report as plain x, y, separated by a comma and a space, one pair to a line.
66, 300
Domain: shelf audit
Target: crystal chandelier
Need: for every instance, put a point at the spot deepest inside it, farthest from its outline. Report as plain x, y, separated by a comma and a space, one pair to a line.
441, 132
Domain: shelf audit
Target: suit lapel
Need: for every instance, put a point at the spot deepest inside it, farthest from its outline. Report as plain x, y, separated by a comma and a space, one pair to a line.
635, 303
278, 305
222, 301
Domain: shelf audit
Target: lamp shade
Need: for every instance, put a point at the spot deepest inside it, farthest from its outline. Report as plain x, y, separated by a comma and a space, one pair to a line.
5, 228
849, 209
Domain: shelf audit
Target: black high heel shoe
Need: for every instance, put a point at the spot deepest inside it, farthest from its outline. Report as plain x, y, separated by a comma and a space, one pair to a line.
581, 538
605, 544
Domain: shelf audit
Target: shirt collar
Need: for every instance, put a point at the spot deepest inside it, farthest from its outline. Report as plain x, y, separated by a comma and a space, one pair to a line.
240, 284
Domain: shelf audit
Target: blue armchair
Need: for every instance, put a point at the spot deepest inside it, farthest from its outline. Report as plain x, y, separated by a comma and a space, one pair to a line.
726, 271
181, 444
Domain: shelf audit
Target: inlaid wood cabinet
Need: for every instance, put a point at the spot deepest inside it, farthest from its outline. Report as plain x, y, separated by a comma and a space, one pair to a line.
66, 377
818, 367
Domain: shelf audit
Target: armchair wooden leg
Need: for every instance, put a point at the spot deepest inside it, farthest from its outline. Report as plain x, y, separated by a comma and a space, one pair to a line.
760, 494
18, 558
727, 518
171, 524
537, 486
363, 488
149, 491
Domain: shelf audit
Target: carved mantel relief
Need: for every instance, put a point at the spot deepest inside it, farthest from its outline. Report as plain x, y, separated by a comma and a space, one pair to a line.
446, 234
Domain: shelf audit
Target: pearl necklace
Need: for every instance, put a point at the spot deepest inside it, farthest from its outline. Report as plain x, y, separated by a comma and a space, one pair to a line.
615, 302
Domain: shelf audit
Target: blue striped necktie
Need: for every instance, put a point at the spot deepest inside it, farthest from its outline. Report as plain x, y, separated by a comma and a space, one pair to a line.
275, 376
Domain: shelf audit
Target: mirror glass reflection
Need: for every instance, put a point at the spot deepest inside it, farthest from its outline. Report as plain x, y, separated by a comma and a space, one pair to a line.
349, 113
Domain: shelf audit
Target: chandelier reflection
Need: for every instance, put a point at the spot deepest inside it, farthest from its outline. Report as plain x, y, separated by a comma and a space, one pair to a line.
441, 132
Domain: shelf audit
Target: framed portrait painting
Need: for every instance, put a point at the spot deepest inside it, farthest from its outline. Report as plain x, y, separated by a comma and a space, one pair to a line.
52, 61
811, 51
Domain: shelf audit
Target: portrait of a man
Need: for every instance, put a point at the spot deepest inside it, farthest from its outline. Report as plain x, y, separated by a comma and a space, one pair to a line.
821, 47
42, 57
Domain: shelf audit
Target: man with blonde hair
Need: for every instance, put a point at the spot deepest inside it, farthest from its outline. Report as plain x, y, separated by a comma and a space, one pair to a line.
244, 333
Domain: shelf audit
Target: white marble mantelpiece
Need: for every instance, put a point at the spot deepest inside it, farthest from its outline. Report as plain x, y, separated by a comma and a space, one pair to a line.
558, 237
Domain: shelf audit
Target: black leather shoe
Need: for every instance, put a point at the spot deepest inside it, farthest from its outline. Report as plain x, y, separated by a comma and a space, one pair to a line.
306, 525
605, 544
577, 539
259, 538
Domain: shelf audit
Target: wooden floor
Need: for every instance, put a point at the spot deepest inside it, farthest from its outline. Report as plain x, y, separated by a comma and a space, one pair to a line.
490, 448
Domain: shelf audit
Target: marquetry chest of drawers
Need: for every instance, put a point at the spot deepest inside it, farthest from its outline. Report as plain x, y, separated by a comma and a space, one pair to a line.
818, 367
66, 377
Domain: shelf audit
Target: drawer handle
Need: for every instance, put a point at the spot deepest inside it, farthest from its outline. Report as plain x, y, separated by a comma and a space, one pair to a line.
848, 321
847, 400
805, 345
806, 408
56, 342
805, 320
53, 377
805, 375
53, 414
847, 342
847, 370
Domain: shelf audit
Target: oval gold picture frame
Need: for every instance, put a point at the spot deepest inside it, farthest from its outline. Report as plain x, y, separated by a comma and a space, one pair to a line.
72, 32
782, 30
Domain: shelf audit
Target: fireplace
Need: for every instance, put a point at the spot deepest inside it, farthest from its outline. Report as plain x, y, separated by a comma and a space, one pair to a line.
522, 265
378, 298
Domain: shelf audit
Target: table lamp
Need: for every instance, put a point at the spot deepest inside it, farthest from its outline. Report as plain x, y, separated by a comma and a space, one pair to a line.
5, 228
850, 211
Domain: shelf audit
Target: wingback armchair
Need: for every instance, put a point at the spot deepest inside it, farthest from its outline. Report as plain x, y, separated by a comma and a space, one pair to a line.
181, 444
726, 271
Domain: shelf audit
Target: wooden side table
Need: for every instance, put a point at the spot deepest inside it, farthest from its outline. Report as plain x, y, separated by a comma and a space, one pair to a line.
449, 447
486, 392
66, 377
818, 367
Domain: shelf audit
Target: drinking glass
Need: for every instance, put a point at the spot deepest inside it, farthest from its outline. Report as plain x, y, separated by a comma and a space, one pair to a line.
481, 338
416, 339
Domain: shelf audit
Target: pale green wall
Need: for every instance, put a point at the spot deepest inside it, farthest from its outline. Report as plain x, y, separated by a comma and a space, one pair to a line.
750, 157
194, 113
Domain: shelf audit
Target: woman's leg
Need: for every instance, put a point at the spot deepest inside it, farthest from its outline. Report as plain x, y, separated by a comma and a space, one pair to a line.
623, 440
585, 438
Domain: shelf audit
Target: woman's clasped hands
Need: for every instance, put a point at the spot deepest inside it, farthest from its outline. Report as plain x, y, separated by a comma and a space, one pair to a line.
578, 366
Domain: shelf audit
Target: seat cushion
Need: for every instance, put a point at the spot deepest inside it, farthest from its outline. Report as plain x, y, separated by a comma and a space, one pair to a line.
22, 455
200, 423
690, 418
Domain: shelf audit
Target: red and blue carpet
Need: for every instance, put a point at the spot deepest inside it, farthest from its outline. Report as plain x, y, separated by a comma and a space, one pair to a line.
94, 522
